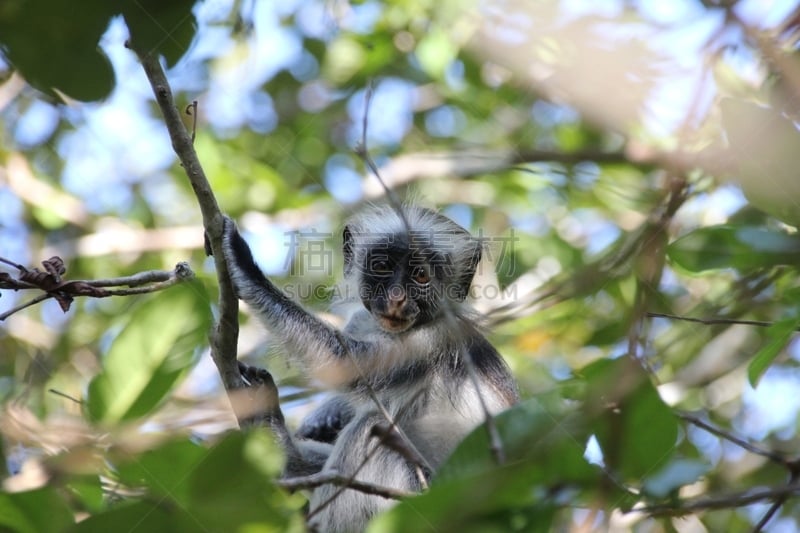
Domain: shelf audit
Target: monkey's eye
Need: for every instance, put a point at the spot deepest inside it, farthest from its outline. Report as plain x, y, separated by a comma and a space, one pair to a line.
420, 275
380, 267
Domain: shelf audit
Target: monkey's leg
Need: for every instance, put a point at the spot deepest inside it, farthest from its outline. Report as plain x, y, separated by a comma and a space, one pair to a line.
338, 509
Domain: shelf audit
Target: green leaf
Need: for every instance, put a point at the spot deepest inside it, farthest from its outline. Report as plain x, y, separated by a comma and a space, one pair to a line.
740, 247
88, 490
188, 487
34, 511
160, 27
543, 446
636, 430
778, 334
154, 349
139, 516
54, 45
449, 509
528, 431
164, 471
234, 485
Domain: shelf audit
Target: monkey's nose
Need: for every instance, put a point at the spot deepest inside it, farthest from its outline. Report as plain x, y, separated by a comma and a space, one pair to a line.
396, 299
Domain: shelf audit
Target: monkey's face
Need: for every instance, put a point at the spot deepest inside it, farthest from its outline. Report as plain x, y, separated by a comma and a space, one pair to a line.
407, 277
397, 289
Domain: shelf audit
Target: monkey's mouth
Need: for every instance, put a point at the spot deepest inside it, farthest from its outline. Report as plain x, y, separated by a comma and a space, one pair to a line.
393, 324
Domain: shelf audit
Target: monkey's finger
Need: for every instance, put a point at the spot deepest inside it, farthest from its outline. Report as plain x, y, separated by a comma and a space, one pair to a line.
207, 244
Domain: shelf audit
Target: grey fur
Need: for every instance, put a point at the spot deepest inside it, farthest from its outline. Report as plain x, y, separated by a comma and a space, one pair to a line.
415, 369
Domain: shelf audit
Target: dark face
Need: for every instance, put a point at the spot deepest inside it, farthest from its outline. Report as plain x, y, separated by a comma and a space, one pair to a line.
407, 278
399, 288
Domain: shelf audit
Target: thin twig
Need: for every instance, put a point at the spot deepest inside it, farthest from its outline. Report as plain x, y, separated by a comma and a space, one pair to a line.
33, 301
776, 505
139, 283
712, 321
495, 442
65, 395
11, 263
363, 152
793, 465
142, 278
729, 501
702, 424
466, 163
334, 478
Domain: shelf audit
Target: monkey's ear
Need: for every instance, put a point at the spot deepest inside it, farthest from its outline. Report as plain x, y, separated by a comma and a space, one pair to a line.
464, 279
348, 250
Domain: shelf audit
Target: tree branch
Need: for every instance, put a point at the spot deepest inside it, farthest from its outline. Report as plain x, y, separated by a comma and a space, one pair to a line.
729, 501
224, 337
466, 163
334, 478
769, 454
792, 465
64, 291
712, 321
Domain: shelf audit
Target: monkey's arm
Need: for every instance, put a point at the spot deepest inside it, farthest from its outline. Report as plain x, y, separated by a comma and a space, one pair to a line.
305, 334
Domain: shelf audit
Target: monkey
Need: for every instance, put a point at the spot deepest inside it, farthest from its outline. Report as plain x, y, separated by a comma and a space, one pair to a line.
400, 362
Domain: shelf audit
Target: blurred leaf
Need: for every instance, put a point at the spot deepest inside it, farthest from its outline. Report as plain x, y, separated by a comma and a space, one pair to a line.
188, 487
778, 335
34, 511
88, 490
636, 430
143, 516
234, 486
163, 27
764, 146
740, 247
544, 448
54, 45
435, 52
344, 58
527, 431
156, 346
165, 471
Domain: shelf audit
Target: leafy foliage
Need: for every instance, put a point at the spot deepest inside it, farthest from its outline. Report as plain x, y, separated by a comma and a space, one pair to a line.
626, 199
189, 486
54, 43
129, 388
742, 247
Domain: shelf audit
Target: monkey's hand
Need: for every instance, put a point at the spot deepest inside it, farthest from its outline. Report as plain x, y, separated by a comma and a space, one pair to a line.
207, 245
227, 221
247, 278
325, 423
269, 410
